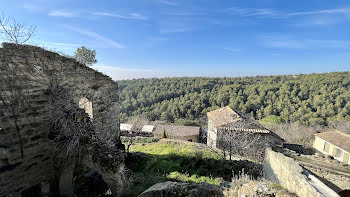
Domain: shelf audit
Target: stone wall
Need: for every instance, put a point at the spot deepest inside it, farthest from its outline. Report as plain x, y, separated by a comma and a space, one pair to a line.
289, 174
192, 138
333, 173
25, 149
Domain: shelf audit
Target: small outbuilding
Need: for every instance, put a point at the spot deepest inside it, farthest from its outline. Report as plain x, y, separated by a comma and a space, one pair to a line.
186, 133
148, 128
335, 143
225, 119
126, 127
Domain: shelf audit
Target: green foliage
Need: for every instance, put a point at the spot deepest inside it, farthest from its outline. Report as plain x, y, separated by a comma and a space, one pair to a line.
164, 134
85, 56
138, 139
194, 178
272, 119
304, 99
182, 161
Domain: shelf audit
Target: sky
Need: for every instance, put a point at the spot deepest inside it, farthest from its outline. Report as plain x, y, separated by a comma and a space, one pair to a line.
173, 38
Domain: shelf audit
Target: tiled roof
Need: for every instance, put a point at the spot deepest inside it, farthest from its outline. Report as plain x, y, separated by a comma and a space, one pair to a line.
173, 130
223, 116
337, 138
147, 128
262, 130
126, 127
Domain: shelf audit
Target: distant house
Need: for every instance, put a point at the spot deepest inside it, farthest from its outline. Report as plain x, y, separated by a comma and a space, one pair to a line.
335, 143
186, 133
126, 127
228, 120
148, 128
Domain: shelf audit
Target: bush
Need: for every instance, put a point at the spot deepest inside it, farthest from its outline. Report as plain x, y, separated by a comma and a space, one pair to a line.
138, 139
194, 178
273, 119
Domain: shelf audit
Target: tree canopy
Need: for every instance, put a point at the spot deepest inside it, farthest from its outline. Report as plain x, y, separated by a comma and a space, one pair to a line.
85, 56
306, 99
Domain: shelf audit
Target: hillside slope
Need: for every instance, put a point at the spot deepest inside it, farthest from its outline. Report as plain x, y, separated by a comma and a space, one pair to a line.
306, 99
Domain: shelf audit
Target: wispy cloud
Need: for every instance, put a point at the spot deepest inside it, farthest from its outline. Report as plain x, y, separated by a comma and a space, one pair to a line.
96, 36
135, 16
121, 73
169, 3
82, 13
175, 30
345, 11
260, 12
33, 7
233, 50
67, 48
66, 14
288, 42
276, 54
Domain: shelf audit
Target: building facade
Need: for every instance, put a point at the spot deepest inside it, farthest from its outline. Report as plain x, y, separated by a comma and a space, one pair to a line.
334, 143
226, 119
185, 133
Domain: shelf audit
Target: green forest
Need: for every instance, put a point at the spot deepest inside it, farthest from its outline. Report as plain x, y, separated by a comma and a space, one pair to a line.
308, 99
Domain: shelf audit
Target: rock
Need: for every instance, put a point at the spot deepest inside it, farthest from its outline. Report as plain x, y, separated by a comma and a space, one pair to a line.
176, 189
261, 188
226, 184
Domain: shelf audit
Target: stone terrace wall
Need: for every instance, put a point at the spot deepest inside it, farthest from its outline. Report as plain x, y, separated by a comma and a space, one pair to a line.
333, 173
36, 166
285, 171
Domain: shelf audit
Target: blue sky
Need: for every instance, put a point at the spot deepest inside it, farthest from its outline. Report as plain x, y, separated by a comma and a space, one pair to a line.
164, 38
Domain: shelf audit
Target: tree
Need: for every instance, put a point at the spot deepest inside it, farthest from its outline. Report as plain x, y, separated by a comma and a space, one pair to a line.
164, 134
15, 32
85, 56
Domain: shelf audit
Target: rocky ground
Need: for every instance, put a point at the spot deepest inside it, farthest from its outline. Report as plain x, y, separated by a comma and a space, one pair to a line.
238, 188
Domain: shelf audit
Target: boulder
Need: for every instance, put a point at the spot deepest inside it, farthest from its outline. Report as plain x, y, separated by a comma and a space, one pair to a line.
176, 189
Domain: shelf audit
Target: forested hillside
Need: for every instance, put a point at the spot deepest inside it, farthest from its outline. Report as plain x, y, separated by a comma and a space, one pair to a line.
305, 99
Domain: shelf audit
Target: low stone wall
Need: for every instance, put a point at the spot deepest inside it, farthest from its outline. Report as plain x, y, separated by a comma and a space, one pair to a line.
333, 173
289, 174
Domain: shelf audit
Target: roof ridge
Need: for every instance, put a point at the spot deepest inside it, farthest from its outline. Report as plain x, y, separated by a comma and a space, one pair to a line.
343, 133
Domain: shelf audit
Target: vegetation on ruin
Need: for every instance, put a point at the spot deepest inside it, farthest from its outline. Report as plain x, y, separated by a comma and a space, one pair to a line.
181, 161
85, 56
310, 99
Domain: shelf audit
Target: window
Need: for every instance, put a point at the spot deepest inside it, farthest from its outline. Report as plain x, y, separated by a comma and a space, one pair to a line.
326, 147
337, 152
346, 158
84, 103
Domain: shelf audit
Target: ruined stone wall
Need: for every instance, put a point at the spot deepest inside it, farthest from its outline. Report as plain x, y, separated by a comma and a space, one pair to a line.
336, 180
25, 149
289, 174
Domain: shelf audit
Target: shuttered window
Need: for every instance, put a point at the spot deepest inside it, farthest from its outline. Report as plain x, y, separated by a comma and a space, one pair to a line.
346, 158
336, 152
326, 147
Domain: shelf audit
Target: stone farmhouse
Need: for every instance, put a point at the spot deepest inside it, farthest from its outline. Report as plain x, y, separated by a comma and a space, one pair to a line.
29, 77
334, 143
186, 133
228, 120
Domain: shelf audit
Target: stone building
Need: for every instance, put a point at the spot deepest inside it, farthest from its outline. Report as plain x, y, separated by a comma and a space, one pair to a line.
228, 120
334, 143
29, 76
186, 133
148, 128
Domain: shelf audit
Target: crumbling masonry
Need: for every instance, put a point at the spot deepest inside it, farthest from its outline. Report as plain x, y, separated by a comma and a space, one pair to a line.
28, 148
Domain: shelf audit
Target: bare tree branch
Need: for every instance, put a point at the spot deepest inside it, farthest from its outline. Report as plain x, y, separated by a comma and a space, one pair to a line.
15, 32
